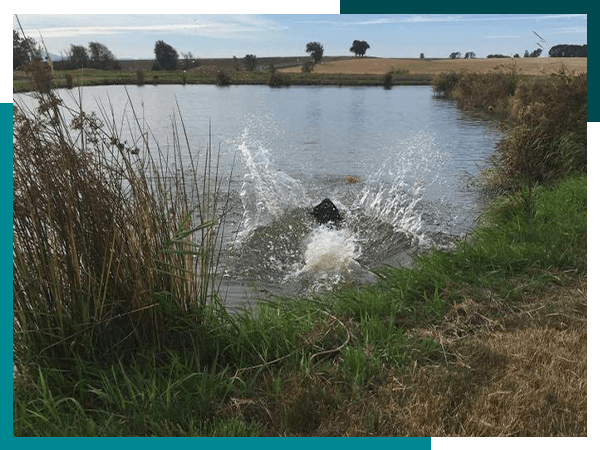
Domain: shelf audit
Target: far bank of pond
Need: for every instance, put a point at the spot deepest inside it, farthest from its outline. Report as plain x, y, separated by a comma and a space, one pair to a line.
96, 77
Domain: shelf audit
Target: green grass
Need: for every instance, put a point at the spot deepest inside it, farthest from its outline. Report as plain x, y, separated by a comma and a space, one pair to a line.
98, 77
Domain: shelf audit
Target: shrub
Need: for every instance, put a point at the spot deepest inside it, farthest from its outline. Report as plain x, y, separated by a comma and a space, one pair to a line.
445, 83
548, 139
387, 80
308, 66
250, 62
477, 90
223, 78
278, 79
489, 90
547, 117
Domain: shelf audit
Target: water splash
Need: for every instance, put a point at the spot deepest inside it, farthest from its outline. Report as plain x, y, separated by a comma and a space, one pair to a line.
281, 243
331, 259
396, 204
330, 250
266, 192
394, 193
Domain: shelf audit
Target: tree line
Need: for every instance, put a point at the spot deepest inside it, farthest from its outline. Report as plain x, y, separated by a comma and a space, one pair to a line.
98, 56
95, 55
566, 50
562, 50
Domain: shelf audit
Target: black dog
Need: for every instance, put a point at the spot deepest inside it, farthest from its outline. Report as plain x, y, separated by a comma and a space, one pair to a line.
326, 212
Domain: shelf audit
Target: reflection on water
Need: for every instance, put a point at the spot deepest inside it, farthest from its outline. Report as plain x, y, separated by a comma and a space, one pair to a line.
290, 148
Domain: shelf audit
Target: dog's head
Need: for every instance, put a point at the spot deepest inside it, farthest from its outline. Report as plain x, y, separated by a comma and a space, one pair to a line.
326, 212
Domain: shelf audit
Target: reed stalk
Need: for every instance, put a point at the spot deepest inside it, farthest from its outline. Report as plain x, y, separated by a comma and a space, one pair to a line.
113, 248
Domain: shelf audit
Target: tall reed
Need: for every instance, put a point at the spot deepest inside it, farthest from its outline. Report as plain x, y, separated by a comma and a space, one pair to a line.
113, 248
546, 117
478, 90
548, 135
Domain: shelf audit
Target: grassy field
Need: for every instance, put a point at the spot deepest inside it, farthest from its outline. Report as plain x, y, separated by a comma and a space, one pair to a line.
118, 330
431, 67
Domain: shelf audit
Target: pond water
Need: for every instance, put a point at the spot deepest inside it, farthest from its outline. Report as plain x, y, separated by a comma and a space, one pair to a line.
399, 164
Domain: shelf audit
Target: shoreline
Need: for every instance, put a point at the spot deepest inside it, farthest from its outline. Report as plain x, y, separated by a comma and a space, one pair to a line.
334, 71
23, 86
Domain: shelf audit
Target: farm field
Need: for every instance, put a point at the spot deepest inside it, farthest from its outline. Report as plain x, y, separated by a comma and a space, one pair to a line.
380, 66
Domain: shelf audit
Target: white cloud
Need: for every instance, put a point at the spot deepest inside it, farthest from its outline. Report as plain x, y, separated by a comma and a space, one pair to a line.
572, 30
210, 26
426, 18
504, 36
381, 20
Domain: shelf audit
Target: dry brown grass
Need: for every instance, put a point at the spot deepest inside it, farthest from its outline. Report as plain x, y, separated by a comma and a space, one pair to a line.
414, 66
520, 375
506, 371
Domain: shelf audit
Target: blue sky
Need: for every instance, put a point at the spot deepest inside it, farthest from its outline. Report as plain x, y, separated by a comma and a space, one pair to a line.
213, 36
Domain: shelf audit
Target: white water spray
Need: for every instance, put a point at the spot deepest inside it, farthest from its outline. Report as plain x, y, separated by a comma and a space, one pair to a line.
330, 259
281, 243
330, 250
266, 192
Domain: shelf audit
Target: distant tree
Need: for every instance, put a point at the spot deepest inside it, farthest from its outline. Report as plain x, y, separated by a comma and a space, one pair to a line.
422, 55
565, 50
250, 62
454, 55
516, 55
100, 56
533, 54
316, 51
470, 55
166, 56
308, 66
24, 50
78, 56
187, 60
359, 48
537, 52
